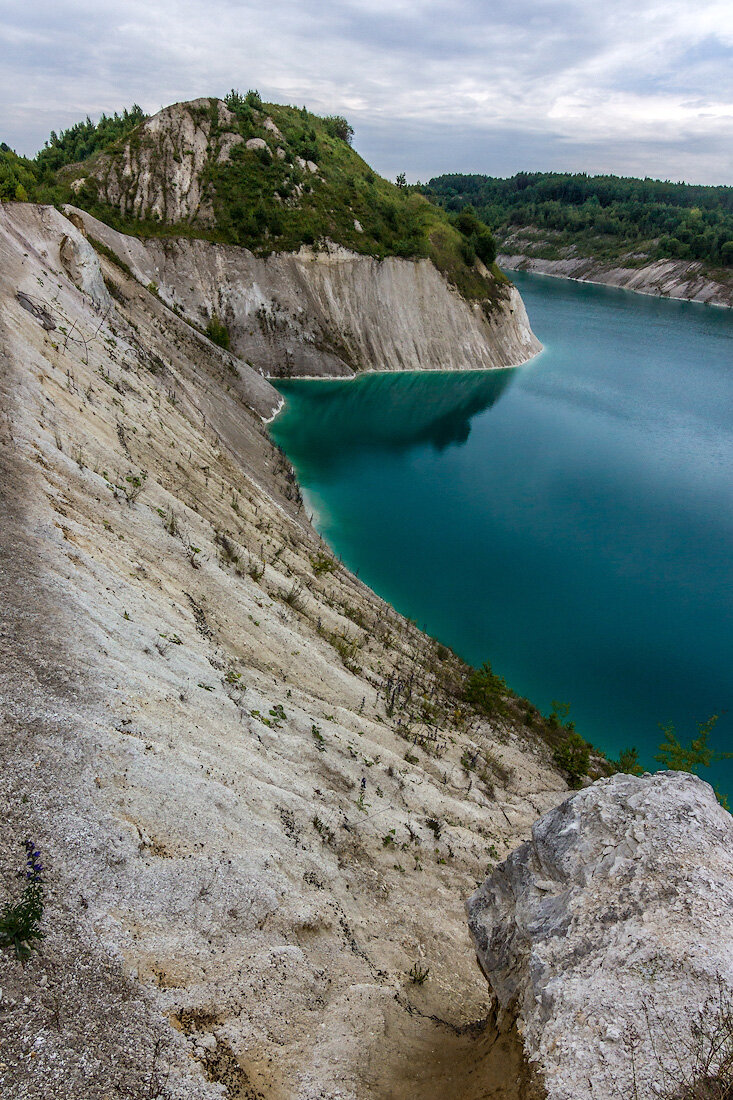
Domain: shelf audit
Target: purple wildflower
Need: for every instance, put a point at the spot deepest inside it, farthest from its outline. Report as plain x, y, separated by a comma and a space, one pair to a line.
34, 868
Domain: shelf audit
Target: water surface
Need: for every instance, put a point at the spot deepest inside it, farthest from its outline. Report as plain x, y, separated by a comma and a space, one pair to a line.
571, 520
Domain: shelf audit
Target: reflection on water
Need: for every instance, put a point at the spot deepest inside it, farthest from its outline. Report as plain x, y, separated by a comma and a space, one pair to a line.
392, 411
570, 520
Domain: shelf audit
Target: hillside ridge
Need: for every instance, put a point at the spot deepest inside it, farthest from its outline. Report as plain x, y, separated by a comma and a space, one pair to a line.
265, 176
652, 236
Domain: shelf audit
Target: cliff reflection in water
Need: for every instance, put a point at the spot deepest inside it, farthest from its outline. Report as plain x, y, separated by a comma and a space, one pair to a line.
393, 411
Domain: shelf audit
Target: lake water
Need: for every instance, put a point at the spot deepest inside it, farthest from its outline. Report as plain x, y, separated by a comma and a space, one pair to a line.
570, 520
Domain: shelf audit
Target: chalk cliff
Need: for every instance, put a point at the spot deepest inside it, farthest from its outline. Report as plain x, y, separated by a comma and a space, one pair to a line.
326, 313
660, 278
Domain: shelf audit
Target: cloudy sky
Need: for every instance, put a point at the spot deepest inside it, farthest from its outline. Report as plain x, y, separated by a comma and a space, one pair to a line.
636, 87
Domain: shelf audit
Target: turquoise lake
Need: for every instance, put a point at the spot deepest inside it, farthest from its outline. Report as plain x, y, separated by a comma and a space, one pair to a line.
570, 520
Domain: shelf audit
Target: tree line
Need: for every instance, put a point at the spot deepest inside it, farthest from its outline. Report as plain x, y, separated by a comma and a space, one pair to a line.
23, 178
668, 220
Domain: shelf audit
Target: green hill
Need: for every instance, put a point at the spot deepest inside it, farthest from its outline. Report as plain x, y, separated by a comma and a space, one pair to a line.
260, 175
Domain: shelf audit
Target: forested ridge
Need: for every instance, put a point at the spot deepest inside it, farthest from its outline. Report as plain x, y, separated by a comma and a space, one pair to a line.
22, 178
600, 215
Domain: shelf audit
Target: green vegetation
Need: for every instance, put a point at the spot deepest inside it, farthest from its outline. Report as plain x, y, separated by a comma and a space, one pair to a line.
573, 756
696, 754
419, 974
602, 216
318, 188
484, 690
300, 184
23, 179
217, 332
628, 762
83, 139
20, 923
18, 180
322, 563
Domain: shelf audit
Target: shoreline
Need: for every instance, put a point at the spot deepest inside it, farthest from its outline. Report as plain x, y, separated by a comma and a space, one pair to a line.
620, 277
274, 378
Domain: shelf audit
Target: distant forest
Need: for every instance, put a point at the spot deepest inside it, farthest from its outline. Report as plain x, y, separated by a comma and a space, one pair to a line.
601, 215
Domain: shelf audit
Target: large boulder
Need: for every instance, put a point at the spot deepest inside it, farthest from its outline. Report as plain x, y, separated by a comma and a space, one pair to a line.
609, 936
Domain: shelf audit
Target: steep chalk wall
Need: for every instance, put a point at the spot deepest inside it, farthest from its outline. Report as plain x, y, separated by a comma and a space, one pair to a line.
328, 313
609, 935
662, 279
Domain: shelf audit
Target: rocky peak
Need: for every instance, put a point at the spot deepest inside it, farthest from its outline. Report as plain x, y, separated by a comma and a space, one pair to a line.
158, 175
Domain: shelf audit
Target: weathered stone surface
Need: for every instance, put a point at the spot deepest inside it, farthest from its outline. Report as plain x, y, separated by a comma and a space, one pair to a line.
660, 278
81, 263
160, 174
157, 742
610, 929
327, 313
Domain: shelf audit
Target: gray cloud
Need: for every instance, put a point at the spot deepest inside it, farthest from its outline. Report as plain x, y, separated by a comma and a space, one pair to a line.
640, 87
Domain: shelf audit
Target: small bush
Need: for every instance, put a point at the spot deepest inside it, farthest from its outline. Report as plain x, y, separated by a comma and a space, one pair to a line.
696, 754
218, 333
628, 762
573, 756
322, 563
133, 486
338, 127
294, 596
419, 974
484, 690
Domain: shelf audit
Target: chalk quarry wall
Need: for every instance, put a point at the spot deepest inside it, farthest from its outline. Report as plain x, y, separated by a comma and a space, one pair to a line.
327, 313
661, 279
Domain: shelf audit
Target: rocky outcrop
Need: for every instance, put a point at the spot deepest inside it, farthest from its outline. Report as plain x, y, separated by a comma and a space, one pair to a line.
661, 278
610, 932
327, 313
159, 173
81, 264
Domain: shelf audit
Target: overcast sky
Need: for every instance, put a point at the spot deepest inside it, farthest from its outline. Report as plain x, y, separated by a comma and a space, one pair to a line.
635, 87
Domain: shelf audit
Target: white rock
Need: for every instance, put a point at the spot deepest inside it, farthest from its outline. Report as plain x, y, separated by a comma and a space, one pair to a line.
82, 266
582, 948
392, 314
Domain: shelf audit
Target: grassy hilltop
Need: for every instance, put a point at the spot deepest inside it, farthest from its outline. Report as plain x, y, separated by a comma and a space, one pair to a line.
301, 184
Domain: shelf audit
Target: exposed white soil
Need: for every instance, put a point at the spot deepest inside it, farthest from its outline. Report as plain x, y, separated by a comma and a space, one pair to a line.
661, 278
237, 893
326, 313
